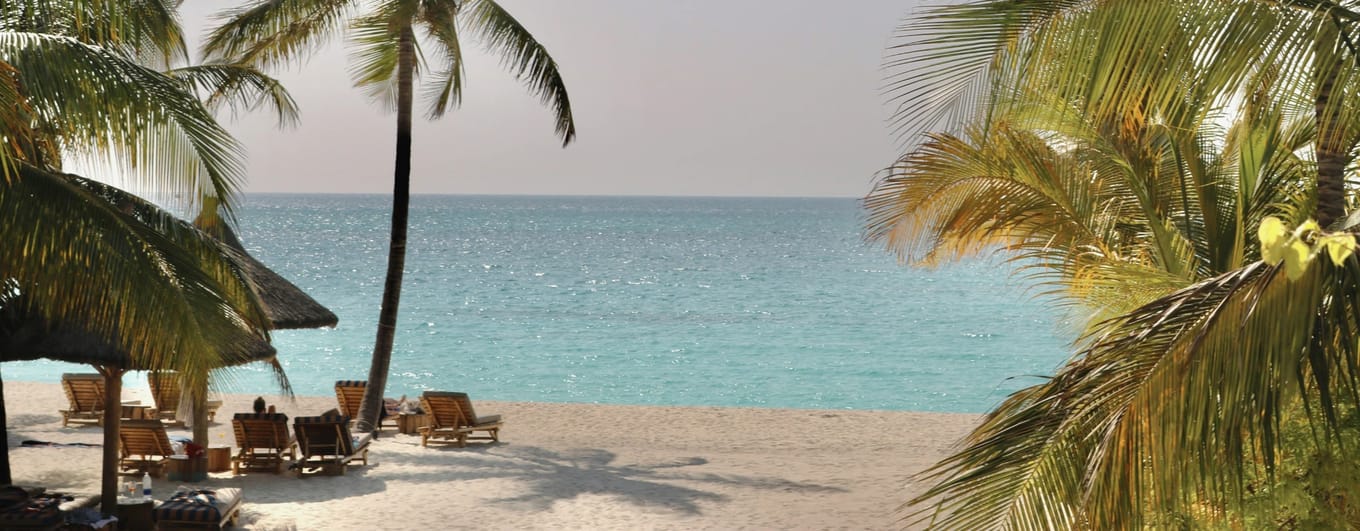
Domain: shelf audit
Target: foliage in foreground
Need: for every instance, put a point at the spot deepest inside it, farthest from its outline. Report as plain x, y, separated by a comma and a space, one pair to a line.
1128, 153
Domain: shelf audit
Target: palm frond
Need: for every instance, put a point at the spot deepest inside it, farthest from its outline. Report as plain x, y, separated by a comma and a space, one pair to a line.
523, 56
134, 121
940, 71
270, 33
374, 42
440, 19
1168, 401
147, 31
239, 87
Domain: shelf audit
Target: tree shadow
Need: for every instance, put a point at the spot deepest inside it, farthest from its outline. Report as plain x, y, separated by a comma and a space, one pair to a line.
24, 420
554, 476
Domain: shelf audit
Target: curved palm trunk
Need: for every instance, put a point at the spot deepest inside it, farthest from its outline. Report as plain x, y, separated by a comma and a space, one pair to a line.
396, 254
5, 477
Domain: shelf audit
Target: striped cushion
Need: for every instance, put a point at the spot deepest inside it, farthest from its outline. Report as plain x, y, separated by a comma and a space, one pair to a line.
261, 416
204, 506
351, 383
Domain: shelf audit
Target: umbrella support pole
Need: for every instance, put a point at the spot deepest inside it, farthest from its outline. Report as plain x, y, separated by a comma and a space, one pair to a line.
199, 394
113, 393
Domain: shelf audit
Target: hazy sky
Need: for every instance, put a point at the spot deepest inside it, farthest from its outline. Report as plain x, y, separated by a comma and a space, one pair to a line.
679, 97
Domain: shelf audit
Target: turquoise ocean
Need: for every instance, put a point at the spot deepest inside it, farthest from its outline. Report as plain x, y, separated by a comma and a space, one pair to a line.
758, 302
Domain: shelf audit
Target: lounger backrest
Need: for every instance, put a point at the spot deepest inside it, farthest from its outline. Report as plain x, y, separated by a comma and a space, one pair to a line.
349, 393
444, 409
260, 430
164, 389
84, 391
465, 407
144, 437
324, 435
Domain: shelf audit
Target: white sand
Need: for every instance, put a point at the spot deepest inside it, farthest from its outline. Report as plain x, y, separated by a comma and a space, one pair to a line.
561, 466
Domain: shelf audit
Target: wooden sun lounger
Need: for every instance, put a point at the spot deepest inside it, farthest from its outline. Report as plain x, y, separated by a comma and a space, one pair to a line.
144, 446
453, 419
263, 441
85, 393
166, 391
325, 444
350, 393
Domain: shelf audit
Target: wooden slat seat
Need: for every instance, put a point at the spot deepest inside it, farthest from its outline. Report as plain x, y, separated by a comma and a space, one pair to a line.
324, 443
263, 441
144, 446
350, 393
85, 395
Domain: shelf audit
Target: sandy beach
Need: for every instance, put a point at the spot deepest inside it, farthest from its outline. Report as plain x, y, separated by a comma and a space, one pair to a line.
558, 466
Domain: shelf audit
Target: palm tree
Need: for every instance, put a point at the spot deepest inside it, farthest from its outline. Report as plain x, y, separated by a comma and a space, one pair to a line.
1169, 394
385, 53
169, 296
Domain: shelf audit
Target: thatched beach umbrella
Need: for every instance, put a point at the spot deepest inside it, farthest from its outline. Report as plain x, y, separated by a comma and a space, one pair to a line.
285, 304
29, 337
25, 335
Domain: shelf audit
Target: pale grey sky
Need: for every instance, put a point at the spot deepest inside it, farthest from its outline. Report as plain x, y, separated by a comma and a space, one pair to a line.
680, 97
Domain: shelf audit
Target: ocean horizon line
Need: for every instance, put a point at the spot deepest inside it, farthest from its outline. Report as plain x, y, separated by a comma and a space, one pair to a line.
552, 196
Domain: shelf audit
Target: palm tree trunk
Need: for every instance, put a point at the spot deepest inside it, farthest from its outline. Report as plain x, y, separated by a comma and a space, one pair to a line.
1332, 151
396, 255
5, 476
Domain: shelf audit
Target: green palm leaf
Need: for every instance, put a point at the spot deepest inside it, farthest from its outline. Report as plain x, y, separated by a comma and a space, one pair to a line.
121, 116
523, 56
144, 30
1159, 135
69, 234
271, 33
241, 88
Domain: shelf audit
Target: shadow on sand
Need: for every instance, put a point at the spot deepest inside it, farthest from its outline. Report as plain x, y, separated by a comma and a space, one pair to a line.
552, 476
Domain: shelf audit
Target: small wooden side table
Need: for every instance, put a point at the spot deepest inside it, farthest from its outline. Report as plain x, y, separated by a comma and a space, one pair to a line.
410, 423
135, 513
219, 458
186, 469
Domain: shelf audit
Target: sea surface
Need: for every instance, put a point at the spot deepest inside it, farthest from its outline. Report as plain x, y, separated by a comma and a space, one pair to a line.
642, 300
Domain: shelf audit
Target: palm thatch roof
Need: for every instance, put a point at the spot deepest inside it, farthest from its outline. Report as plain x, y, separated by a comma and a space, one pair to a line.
285, 304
